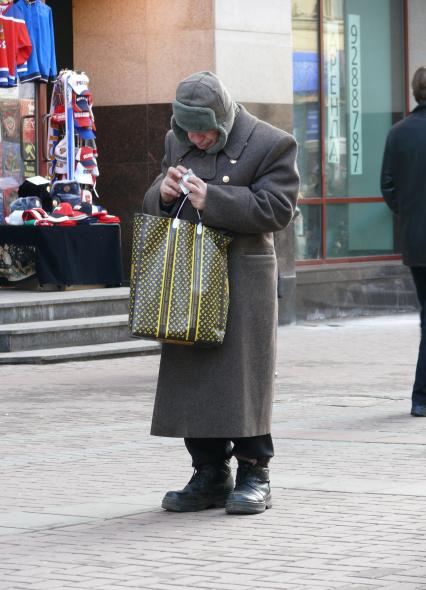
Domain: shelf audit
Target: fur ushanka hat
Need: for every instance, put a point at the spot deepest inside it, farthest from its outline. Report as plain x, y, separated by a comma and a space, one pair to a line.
202, 104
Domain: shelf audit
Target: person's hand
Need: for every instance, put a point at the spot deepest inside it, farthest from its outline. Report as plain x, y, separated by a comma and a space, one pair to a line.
169, 188
197, 192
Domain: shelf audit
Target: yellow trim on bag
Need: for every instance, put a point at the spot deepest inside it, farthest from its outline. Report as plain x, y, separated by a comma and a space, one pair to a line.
194, 242
164, 277
166, 333
201, 284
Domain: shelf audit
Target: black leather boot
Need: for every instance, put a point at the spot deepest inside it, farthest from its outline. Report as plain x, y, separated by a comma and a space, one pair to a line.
252, 492
208, 488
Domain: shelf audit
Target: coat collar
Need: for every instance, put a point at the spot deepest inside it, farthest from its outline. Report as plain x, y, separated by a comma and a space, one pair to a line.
243, 127
204, 165
420, 107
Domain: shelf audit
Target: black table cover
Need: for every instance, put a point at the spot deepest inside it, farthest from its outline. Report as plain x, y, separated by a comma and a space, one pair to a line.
78, 255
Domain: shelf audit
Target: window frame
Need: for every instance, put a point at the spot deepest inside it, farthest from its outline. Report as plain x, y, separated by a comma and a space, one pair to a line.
322, 200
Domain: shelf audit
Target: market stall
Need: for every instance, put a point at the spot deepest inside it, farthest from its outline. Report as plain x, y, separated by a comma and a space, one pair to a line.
53, 226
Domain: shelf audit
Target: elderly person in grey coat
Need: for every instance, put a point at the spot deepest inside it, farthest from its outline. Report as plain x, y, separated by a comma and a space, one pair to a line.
219, 400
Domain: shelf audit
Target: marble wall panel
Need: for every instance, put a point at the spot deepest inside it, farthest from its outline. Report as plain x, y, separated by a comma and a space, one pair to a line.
252, 15
110, 45
139, 50
121, 187
256, 67
130, 142
172, 58
279, 115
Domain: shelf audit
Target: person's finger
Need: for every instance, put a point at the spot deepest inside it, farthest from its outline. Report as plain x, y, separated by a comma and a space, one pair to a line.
174, 174
170, 188
191, 185
182, 169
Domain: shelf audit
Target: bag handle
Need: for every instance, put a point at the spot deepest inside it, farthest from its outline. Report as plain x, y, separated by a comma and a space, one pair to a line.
175, 223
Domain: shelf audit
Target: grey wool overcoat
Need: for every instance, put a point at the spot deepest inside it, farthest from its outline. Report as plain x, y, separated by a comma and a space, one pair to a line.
253, 183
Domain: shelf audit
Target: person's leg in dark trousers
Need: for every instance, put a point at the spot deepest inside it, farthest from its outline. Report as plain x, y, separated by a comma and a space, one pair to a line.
212, 481
208, 450
260, 448
252, 493
419, 388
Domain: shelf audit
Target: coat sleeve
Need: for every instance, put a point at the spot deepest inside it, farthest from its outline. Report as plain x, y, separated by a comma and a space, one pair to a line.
265, 206
387, 182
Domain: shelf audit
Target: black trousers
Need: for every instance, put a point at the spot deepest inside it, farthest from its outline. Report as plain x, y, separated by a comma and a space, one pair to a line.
419, 387
214, 450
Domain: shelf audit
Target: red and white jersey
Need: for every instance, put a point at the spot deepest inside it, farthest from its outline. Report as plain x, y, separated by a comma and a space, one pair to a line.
15, 44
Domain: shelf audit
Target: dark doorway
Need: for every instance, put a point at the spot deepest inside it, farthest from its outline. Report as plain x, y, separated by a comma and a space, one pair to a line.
62, 24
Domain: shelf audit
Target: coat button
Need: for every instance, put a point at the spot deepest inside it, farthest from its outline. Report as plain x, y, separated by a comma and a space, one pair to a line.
225, 179
233, 161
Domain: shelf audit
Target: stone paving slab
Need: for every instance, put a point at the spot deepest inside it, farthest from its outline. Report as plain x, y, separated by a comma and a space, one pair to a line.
81, 480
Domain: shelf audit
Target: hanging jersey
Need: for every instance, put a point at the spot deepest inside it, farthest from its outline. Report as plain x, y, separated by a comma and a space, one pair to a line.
16, 44
39, 21
4, 68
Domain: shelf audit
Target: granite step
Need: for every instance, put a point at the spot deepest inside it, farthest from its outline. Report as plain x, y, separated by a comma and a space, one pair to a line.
32, 306
60, 333
78, 353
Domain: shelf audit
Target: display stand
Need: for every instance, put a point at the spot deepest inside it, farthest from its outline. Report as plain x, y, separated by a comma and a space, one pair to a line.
64, 256
81, 246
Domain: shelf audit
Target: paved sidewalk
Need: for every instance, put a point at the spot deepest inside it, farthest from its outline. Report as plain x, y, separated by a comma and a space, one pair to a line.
81, 480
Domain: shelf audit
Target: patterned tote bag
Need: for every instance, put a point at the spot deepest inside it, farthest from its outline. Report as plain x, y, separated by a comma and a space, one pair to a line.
179, 290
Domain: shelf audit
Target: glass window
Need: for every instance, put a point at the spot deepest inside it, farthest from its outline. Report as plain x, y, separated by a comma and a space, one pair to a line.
306, 113
359, 229
364, 92
307, 231
361, 96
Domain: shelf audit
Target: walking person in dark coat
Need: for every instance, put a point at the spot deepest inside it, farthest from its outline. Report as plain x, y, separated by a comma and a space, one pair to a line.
403, 184
220, 399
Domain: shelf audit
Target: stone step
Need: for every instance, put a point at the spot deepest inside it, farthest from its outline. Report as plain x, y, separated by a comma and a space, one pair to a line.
35, 306
60, 333
75, 353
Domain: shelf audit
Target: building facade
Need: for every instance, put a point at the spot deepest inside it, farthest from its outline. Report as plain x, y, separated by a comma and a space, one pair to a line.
333, 72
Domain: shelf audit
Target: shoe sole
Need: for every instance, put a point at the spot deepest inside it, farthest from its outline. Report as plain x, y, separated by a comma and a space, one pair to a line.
172, 506
233, 507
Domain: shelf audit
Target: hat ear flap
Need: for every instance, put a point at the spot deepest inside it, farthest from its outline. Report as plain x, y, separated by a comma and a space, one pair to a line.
221, 142
181, 134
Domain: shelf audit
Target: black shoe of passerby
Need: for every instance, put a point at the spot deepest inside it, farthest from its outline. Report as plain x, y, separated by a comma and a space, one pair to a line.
209, 487
419, 411
252, 492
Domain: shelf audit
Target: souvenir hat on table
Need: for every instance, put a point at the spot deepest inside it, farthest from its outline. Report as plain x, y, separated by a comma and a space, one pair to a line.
92, 144
65, 211
86, 157
83, 120
91, 209
79, 82
86, 196
84, 132
67, 187
60, 155
23, 203
37, 186
66, 191
82, 103
58, 115
15, 218
84, 175
34, 214
82, 168
84, 207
